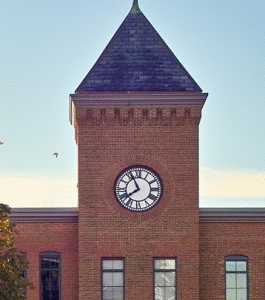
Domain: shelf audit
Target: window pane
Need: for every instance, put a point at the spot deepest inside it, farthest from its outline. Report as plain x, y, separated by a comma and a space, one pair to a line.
55, 280
242, 294
118, 279
170, 264
241, 281
159, 293
230, 294
118, 264
170, 293
113, 293
159, 264
45, 263
230, 266
107, 293
107, 279
241, 266
45, 295
55, 262
159, 279
54, 295
107, 264
231, 280
170, 279
118, 293
45, 280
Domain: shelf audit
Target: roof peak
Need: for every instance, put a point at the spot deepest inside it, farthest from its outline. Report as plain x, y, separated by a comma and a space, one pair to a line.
137, 59
135, 8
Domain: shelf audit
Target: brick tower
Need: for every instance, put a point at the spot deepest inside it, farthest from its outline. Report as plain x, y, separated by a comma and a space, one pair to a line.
136, 117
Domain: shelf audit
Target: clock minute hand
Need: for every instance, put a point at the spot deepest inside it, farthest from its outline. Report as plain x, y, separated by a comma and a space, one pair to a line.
136, 184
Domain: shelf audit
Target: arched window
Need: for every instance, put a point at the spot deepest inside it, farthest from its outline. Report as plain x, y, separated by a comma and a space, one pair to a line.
112, 272
165, 280
236, 277
50, 273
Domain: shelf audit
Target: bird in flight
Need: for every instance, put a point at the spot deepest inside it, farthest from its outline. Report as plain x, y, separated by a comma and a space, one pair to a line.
1, 142
56, 154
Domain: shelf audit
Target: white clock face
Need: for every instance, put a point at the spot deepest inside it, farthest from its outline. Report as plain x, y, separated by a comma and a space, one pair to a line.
138, 188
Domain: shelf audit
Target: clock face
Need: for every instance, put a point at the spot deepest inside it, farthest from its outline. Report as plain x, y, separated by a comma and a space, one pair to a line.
138, 188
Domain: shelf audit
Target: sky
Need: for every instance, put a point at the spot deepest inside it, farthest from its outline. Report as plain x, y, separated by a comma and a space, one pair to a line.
48, 47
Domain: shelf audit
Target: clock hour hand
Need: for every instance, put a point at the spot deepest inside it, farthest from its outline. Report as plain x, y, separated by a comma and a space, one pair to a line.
133, 192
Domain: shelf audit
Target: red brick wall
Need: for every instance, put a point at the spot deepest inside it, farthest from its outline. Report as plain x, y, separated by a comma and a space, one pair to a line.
35, 238
167, 144
218, 240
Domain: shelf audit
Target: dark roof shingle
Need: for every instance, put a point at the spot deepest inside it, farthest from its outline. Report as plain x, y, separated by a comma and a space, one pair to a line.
137, 59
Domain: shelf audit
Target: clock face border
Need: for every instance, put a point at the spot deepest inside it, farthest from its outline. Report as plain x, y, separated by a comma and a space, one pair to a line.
141, 189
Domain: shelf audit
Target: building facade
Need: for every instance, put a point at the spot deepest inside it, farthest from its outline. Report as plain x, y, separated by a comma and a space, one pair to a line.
138, 232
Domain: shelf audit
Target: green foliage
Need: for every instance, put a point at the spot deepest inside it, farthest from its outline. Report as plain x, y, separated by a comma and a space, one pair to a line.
13, 265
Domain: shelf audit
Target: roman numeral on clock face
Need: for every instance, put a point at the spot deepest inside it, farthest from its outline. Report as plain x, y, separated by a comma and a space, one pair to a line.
121, 190
150, 182
130, 175
123, 196
138, 205
138, 173
152, 197
128, 202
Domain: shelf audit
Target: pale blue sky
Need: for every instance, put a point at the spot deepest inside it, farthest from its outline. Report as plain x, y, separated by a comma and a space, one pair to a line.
47, 48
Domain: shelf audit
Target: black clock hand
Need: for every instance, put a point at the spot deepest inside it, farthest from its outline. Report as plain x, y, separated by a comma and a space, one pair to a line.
136, 184
133, 192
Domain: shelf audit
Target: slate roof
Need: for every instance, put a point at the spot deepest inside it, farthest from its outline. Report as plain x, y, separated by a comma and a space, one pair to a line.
137, 59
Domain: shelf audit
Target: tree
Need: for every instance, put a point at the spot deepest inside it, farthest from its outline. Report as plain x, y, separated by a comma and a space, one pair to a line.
13, 265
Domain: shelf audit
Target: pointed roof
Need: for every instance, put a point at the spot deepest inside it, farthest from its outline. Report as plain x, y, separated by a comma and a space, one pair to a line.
137, 59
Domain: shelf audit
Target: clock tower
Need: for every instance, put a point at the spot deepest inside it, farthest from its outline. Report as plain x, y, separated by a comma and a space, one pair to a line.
136, 116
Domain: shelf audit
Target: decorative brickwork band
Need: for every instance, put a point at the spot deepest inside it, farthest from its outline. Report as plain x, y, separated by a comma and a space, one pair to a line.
139, 116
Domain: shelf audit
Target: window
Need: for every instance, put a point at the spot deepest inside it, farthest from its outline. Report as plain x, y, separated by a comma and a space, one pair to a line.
50, 276
112, 278
24, 274
236, 278
165, 278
